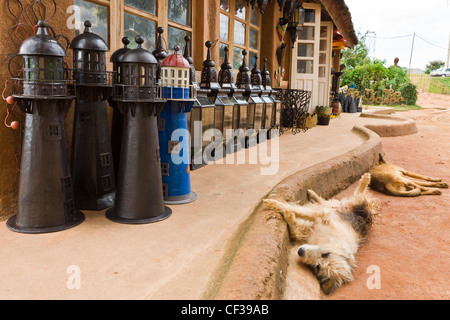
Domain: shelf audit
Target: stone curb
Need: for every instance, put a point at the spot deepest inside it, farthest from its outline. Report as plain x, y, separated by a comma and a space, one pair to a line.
255, 265
403, 128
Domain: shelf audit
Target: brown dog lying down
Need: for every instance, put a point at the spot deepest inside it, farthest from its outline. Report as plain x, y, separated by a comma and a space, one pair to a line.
395, 181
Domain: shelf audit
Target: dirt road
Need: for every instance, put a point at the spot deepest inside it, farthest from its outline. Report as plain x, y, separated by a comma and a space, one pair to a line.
410, 242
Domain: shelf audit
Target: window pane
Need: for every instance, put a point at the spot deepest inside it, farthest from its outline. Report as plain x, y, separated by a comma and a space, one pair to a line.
95, 13
321, 72
252, 59
254, 38
239, 33
225, 5
310, 15
323, 31
224, 26
176, 38
240, 10
144, 5
135, 26
322, 58
305, 66
254, 16
180, 11
237, 58
306, 34
305, 50
323, 45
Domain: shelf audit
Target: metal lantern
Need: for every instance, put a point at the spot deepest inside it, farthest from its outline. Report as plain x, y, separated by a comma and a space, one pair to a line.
139, 195
243, 82
202, 114
173, 129
45, 201
159, 53
255, 97
94, 182
268, 102
294, 13
117, 117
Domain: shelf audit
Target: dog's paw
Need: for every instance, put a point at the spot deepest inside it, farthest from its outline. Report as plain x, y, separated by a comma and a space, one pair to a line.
366, 178
443, 185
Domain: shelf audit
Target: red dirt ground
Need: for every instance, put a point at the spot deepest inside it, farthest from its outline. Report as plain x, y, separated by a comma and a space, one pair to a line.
410, 240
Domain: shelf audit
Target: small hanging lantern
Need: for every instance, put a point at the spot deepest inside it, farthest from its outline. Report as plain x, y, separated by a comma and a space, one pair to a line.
257, 112
159, 53
230, 105
265, 96
202, 115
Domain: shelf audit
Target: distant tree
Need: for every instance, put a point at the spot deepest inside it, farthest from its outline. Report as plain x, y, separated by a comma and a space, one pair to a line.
358, 55
434, 65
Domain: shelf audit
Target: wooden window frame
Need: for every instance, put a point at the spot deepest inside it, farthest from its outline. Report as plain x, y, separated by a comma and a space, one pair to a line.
230, 42
117, 10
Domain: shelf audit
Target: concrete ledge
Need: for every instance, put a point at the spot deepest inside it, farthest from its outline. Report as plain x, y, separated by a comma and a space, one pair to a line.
256, 262
403, 127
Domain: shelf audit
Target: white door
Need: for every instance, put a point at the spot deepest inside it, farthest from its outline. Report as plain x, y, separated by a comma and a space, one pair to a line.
324, 76
305, 54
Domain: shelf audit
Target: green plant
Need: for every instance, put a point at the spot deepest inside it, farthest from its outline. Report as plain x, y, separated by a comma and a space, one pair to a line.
409, 92
434, 65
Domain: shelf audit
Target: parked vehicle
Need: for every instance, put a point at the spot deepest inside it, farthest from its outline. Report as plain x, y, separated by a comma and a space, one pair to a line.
441, 73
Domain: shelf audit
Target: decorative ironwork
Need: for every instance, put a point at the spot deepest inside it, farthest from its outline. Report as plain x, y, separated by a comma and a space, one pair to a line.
294, 109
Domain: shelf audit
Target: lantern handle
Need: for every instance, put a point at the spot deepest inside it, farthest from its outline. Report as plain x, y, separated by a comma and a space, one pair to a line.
9, 63
65, 38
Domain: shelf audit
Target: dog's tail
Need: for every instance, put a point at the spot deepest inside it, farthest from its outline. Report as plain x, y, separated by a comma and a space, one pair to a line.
381, 159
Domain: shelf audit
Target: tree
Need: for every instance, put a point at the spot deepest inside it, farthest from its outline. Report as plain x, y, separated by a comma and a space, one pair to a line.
357, 56
434, 65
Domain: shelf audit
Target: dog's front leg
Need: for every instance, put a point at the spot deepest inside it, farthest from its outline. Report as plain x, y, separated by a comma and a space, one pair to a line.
301, 212
298, 229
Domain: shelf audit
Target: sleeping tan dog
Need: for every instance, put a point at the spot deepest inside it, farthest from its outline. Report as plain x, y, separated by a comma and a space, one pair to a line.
395, 181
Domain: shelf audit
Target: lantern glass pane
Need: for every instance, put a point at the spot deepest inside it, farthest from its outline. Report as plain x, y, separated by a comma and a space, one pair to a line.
96, 14
258, 116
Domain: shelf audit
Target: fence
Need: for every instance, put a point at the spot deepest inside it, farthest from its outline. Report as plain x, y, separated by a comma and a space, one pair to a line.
431, 84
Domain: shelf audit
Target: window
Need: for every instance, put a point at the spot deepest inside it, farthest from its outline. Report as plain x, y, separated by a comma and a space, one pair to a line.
140, 17
239, 29
306, 43
98, 14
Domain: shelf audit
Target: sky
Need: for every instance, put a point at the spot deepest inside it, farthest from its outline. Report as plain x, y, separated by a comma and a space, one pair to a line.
400, 19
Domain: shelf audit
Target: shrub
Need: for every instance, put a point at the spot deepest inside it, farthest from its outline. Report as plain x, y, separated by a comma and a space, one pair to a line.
409, 92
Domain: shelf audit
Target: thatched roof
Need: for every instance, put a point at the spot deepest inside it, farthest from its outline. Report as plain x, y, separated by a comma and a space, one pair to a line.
342, 18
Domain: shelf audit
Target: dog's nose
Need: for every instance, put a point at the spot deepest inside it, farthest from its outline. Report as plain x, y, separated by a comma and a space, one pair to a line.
301, 252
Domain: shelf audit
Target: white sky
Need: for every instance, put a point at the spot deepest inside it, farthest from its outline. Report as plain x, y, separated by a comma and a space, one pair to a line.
430, 20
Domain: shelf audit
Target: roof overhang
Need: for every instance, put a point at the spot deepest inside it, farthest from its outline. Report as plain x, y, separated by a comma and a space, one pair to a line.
342, 19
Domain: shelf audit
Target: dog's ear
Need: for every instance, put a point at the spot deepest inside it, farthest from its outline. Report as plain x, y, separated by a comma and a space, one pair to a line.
381, 159
328, 286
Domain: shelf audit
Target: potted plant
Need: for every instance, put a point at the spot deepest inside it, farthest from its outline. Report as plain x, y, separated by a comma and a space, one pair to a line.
323, 115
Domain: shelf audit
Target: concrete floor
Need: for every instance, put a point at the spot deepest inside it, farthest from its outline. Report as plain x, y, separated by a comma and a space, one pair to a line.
172, 259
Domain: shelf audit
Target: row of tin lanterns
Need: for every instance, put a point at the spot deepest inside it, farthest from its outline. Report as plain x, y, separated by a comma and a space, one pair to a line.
153, 95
